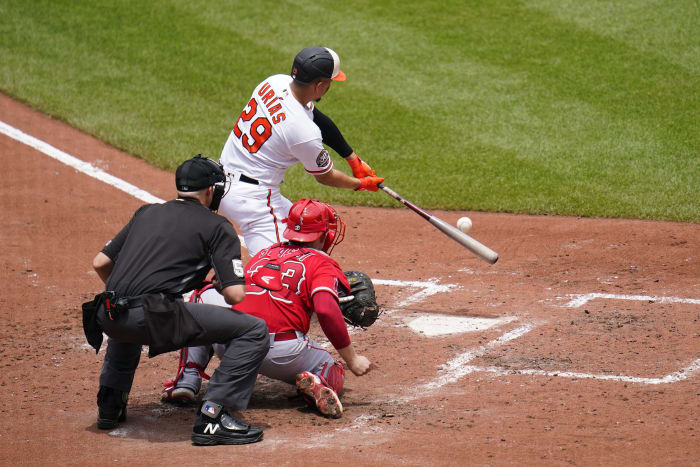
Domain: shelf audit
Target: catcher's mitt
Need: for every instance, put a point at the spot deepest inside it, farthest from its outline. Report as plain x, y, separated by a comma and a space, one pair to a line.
359, 304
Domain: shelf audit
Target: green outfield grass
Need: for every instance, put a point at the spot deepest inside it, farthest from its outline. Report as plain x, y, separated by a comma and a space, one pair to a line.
573, 107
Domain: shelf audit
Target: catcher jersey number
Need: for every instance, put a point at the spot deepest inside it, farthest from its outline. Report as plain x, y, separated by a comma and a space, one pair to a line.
260, 129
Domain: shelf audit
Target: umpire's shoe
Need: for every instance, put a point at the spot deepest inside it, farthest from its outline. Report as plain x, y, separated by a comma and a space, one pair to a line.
111, 407
215, 426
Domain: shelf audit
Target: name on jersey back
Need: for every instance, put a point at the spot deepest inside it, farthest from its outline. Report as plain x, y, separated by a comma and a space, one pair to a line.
268, 98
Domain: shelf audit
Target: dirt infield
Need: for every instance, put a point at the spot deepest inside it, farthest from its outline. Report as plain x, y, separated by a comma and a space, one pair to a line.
587, 352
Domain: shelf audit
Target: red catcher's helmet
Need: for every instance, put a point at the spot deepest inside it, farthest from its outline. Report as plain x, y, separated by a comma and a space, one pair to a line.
309, 218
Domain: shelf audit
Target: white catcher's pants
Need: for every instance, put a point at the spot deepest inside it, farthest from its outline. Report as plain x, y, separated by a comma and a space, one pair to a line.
257, 210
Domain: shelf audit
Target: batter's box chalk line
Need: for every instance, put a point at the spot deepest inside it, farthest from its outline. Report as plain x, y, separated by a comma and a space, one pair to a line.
675, 377
458, 367
577, 300
428, 288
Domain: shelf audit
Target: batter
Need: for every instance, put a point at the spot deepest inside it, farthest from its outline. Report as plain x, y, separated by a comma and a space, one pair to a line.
279, 127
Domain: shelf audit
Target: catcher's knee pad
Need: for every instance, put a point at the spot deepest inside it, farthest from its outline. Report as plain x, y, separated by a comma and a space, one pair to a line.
334, 377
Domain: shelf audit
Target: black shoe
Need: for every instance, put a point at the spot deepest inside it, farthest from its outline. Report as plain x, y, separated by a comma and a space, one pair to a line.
215, 426
111, 405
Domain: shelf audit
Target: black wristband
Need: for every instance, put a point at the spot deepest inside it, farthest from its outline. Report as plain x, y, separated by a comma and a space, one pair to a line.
331, 134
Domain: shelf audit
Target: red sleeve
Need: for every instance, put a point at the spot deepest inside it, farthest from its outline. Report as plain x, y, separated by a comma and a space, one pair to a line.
323, 278
324, 274
331, 319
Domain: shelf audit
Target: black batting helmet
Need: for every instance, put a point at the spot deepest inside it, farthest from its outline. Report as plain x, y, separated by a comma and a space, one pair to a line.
316, 62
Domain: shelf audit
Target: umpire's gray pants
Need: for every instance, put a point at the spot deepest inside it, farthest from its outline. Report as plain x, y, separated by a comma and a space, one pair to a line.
245, 338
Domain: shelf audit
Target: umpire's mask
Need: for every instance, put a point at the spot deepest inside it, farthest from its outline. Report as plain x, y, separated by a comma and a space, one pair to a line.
219, 192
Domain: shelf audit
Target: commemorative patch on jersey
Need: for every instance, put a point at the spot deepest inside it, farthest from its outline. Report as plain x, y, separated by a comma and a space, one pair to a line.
238, 267
323, 158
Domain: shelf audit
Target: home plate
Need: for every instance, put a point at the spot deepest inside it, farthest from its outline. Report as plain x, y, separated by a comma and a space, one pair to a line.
437, 325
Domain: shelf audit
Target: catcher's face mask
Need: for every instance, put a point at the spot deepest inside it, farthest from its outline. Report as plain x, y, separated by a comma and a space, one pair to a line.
336, 230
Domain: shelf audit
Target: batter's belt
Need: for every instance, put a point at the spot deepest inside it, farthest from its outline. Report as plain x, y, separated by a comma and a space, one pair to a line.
243, 178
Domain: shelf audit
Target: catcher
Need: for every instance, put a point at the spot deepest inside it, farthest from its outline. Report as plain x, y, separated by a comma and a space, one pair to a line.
285, 284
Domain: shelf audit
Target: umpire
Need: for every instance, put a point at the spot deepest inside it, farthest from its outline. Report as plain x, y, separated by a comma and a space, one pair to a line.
164, 251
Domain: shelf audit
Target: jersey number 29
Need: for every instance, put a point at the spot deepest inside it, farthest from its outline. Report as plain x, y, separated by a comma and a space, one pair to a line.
260, 129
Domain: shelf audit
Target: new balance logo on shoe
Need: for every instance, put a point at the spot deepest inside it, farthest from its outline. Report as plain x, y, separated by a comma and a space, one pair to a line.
211, 428
226, 430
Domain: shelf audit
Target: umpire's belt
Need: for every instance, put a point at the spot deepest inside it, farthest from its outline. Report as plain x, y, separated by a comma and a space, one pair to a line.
137, 301
244, 178
115, 305
133, 302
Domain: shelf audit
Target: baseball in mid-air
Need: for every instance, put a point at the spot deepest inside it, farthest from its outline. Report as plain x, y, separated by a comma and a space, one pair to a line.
464, 224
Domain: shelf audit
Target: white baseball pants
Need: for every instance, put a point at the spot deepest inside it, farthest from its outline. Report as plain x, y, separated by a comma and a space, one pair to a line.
257, 210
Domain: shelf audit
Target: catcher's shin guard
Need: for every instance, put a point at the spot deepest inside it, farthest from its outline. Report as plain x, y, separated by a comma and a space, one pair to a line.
171, 391
335, 377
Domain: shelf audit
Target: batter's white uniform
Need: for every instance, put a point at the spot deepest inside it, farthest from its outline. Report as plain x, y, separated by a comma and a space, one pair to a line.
274, 132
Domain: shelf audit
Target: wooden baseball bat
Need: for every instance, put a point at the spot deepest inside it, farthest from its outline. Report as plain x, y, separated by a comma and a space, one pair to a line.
479, 249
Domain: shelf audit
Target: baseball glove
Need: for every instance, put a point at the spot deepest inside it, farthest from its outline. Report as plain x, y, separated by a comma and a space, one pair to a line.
359, 304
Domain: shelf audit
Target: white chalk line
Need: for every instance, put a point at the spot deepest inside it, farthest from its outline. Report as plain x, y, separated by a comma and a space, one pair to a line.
582, 299
361, 424
675, 377
77, 164
430, 287
456, 368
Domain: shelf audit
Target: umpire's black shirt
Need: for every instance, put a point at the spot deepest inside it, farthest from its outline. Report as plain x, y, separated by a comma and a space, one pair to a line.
171, 247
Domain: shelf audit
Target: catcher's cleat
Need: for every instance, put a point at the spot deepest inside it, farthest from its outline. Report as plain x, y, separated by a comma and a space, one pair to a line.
177, 395
216, 426
315, 392
111, 407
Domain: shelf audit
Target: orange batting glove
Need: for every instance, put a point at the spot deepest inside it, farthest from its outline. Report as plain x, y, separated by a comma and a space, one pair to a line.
369, 183
360, 168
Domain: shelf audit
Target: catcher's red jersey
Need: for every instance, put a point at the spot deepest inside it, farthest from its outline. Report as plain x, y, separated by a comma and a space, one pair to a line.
281, 281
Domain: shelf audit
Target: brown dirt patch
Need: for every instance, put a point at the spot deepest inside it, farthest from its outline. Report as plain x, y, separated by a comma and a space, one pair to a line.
540, 398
